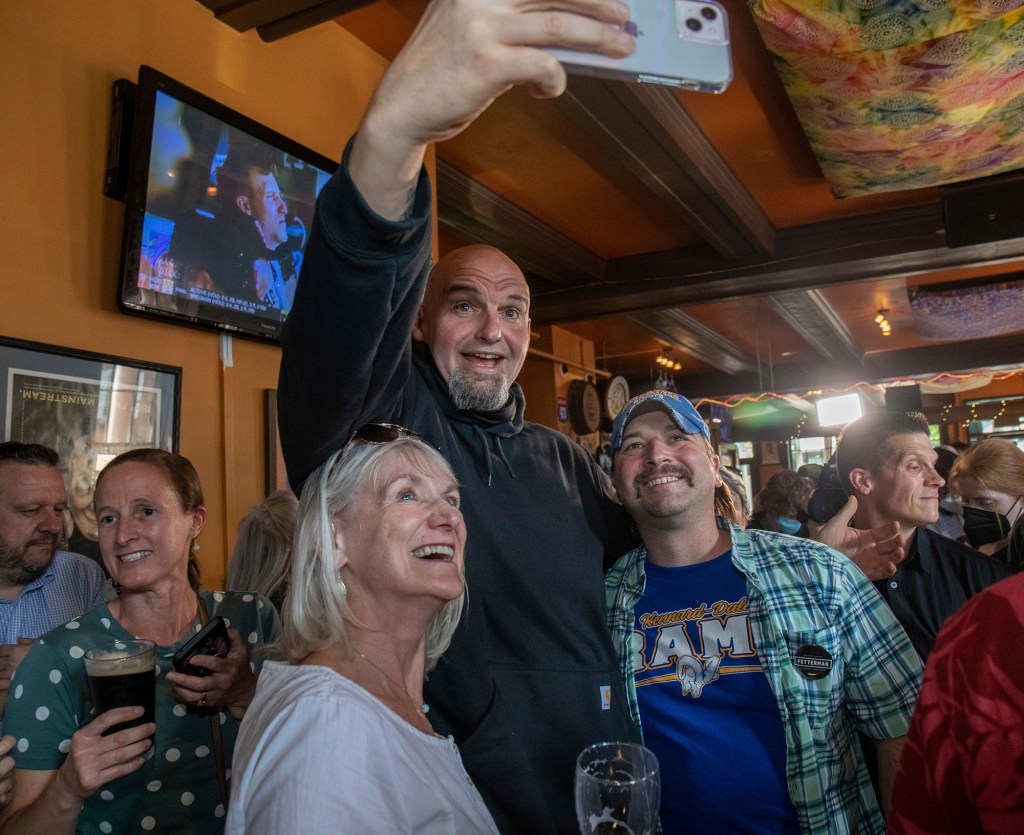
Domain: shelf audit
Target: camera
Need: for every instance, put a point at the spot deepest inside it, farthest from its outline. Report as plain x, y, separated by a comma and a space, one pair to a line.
828, 497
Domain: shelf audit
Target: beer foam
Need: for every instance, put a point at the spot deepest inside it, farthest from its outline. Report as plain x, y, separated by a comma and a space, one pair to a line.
115, 662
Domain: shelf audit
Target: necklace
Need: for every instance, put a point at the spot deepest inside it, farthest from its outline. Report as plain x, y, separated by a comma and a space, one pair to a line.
423, 707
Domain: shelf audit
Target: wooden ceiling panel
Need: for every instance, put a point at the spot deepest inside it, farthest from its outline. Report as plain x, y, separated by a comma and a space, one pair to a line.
525, 151
752, 325
624, 348
383, 26
861, 302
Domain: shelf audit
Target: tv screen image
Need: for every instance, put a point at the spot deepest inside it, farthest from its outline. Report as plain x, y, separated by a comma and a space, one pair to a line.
217, 215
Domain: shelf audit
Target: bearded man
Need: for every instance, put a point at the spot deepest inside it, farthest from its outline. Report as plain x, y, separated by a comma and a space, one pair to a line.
40, 586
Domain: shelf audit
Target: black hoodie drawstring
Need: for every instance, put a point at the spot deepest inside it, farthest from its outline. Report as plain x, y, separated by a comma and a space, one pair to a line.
501, 455
487, 454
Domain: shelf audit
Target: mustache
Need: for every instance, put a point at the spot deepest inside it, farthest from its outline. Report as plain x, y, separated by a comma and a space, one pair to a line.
683, 473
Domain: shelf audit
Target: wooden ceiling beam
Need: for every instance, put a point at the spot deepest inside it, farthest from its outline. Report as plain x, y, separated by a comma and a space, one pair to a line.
685, 333
650, 136
892, 244
477, 215
810, 315
276, 19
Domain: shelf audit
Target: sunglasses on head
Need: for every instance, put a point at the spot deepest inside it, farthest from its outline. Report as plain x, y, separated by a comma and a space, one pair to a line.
377, 433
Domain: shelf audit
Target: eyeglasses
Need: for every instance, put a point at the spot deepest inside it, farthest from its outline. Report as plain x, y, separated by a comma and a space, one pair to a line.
376, 433
382, 433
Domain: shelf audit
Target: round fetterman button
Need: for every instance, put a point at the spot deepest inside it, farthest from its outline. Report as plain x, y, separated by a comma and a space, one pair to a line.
813, 661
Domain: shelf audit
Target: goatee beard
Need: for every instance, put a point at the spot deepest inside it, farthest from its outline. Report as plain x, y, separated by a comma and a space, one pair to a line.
15, 568
471, 394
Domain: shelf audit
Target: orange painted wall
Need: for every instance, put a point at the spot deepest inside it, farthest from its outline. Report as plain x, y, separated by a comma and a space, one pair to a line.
60, 237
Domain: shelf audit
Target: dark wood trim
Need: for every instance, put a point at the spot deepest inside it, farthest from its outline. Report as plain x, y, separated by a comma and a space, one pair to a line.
646, 130
275, 19
685, 333
476, 214
810, 315
883, 245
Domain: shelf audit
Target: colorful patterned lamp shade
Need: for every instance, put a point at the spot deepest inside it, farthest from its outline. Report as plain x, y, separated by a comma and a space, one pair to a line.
969, 312
902, 94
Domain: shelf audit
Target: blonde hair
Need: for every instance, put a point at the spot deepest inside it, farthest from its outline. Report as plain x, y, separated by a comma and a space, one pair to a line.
316, 613
262, 553
995, 463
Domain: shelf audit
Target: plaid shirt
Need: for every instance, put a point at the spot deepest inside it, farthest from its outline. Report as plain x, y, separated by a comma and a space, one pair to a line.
800, 592
72, 585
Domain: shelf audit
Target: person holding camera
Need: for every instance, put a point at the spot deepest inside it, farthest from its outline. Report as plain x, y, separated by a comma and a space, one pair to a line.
75, 770
371, 339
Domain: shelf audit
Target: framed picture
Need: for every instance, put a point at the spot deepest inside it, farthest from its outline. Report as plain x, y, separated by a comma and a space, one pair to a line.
89, 408
769, 452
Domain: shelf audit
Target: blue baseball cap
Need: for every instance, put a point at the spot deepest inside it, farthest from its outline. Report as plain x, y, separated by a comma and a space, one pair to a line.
681, 410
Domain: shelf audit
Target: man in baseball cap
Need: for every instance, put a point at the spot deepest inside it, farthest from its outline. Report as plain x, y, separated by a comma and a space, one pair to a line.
752, 660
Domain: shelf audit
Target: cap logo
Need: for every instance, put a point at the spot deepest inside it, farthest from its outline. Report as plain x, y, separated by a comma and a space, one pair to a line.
682, 411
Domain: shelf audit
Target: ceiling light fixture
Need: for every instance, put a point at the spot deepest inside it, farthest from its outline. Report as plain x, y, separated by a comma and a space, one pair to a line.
883, 323
665, 360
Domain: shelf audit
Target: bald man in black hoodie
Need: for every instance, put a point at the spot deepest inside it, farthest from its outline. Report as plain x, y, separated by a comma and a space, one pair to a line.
531, 677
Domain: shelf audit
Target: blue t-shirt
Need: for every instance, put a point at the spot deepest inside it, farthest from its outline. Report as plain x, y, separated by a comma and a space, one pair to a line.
707, 709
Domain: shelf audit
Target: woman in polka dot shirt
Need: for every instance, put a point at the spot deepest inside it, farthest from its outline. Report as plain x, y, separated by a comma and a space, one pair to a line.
158, 777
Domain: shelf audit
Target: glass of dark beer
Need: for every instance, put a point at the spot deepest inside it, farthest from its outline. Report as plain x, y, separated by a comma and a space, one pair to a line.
122, 674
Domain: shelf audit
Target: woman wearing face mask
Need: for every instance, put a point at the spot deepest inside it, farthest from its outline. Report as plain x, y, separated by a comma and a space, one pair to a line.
988, 482
782, 504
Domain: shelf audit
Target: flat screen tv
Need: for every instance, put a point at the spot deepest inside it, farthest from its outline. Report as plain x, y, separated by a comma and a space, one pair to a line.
217, 213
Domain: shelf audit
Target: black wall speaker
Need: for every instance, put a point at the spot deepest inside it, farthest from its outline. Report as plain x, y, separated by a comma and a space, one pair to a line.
903, 399
122, 117
986, 210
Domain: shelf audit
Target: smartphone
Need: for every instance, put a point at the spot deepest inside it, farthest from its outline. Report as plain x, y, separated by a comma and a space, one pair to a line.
212, 639
679, 43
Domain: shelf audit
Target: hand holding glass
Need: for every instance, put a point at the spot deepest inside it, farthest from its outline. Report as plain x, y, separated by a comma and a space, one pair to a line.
122, 674
618, 790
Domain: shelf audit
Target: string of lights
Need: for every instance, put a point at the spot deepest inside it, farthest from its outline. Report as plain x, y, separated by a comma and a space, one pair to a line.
739, 399
799, 428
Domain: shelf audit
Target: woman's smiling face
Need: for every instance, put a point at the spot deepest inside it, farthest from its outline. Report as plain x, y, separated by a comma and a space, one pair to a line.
404, 536
144, 532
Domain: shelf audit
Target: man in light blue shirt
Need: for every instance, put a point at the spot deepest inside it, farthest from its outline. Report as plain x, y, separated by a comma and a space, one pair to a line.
40, 587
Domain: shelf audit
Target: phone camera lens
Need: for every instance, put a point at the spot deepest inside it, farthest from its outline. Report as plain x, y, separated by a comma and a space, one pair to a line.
693, 24
708, 13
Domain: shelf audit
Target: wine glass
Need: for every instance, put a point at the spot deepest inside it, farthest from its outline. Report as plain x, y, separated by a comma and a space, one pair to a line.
618, 790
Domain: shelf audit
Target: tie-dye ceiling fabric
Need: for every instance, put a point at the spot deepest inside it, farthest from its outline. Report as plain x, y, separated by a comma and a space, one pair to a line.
902, 94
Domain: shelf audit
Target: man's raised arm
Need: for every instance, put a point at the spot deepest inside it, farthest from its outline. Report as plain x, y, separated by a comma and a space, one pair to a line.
460, 58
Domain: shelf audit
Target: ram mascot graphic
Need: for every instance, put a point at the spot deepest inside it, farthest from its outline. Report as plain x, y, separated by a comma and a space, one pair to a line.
693, 673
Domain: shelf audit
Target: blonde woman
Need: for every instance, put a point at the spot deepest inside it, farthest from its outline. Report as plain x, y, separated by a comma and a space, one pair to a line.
337, 739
